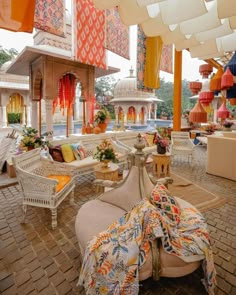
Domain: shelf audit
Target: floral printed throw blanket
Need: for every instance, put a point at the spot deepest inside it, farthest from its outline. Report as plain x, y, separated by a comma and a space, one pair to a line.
114, 257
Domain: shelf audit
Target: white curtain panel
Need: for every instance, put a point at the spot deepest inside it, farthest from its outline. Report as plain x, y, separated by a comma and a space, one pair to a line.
148, 2
206, 28
155, 27
131, 13
176, 11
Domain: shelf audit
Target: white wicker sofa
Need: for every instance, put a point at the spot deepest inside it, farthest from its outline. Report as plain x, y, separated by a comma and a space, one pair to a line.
86, 165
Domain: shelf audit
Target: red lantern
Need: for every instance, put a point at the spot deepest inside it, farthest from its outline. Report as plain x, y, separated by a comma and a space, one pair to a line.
206, 97
223, 112
227, 79
198, 114
195, 87
205, 70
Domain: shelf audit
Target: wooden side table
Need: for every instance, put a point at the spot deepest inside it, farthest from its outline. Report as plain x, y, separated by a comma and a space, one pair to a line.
110, 173
161, 164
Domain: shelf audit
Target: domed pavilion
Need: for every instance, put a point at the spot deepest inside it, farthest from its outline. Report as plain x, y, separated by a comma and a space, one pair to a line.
132, 106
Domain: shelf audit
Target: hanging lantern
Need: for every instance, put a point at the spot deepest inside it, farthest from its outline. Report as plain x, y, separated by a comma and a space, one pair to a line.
223, 112
215, 83
227, 79
195, 87
198, 114
205, 70
206, 96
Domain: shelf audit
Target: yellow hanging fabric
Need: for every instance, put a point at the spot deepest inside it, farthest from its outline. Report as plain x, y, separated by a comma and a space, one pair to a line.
17, 15
153, 57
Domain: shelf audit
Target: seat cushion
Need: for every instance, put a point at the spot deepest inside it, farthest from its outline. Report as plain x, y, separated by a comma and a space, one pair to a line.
62, 180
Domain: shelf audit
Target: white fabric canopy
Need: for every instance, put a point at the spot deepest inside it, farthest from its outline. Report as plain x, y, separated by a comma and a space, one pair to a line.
206, 28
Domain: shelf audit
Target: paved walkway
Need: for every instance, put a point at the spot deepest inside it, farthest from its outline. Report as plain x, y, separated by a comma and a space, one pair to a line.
36, 260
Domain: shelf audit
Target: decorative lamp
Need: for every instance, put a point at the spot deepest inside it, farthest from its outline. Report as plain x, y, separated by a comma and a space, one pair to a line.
205, 70
227, 79
206, 96
215, 82
223, 112
195, 86
198, 114
231, 92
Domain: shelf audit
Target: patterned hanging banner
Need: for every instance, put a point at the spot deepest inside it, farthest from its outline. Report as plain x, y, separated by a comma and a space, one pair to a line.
141, 60
50, 16
90, 34
167, 59
117, 34
165, 64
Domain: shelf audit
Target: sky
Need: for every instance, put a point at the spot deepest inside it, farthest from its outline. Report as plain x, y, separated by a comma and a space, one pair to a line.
190, 66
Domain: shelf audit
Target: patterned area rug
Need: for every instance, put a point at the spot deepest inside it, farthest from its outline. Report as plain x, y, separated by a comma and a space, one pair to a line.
194, 194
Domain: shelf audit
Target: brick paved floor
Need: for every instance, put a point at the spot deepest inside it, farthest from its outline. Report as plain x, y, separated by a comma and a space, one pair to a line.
36, 260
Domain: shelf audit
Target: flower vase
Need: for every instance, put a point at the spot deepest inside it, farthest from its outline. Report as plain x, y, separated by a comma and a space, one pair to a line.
103, 127
105, 163
161, 150
30, 148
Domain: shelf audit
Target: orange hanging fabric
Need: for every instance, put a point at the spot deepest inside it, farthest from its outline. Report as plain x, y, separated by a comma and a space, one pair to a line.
17, 15
153, 58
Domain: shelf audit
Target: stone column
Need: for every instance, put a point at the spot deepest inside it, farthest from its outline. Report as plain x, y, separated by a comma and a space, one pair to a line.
35, 122
125, 110
49, 116
4, 116
70, 123
155, 111
28, 116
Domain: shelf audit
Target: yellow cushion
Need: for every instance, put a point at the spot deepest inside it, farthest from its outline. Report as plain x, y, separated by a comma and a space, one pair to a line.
62, 180
67, 153
150, 138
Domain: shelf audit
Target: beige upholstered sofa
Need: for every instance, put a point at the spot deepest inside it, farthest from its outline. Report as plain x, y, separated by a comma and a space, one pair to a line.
96, 215
221, 160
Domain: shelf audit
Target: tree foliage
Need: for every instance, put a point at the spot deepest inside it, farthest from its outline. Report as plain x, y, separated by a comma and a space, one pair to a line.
166, 93
7, 54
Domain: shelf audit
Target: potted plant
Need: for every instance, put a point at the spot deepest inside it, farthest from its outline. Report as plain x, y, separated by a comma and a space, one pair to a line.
101, 119
105, 153
162, 144
31, 139
228, 124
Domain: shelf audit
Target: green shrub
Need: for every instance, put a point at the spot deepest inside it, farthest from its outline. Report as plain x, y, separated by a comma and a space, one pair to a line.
13, 118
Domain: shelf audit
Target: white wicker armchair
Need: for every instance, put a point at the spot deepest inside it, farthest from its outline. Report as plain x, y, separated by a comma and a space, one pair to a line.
181, 145
37, 189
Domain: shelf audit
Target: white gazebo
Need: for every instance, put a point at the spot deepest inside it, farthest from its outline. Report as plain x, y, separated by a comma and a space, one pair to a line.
133, 106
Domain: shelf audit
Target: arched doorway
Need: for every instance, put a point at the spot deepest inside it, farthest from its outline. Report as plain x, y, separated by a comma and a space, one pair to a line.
15, 109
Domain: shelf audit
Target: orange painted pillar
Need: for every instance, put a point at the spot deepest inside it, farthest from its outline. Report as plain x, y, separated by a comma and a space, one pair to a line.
177, 91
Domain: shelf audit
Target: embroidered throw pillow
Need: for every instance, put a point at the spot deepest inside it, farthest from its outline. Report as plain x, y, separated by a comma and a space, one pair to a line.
162, 199
79, 151
67, 153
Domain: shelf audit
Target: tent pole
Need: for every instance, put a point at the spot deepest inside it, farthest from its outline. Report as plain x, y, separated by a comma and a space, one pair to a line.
177, 91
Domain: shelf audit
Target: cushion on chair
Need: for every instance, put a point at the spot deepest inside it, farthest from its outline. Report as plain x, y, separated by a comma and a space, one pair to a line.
62, 180
67, 153
56, 154
79, 151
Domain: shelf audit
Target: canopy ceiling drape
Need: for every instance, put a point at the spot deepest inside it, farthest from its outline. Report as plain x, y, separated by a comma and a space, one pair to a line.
206, 28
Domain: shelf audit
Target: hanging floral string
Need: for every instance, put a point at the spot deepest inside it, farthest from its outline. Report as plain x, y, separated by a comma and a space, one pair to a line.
66, 94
